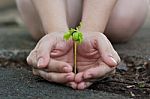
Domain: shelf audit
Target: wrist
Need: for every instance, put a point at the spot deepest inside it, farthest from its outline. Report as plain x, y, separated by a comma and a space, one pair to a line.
91, 28
90, 31
56, 29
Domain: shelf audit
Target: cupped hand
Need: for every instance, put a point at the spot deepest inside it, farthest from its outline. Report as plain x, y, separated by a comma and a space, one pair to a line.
52, 59
95, 58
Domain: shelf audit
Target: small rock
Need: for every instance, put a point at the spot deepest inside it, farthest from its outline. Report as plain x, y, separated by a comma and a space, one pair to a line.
122, 66
130, 86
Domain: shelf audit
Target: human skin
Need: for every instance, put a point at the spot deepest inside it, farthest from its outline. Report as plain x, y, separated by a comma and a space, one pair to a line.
49, 19
59, 62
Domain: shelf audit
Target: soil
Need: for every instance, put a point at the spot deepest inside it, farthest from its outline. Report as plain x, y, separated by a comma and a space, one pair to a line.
18, 82
132, 77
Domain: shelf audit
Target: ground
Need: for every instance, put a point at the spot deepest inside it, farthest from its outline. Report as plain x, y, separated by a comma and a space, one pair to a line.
132, 79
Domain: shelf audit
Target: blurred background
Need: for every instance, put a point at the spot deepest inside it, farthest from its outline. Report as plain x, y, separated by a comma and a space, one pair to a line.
9, 15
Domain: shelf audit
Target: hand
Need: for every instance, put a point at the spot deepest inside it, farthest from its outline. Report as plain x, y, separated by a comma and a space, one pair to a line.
52, 59
95, 58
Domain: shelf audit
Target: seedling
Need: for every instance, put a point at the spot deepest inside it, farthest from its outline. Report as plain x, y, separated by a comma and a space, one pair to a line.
77, 38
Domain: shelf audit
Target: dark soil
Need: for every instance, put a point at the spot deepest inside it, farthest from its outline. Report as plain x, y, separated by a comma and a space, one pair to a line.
17, 82
132, 77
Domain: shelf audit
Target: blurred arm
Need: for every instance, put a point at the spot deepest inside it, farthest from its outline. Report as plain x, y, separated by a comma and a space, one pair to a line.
52, 14
96, 14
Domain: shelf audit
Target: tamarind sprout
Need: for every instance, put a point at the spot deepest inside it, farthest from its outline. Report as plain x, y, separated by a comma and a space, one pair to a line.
67, 35
75, 34
78, 37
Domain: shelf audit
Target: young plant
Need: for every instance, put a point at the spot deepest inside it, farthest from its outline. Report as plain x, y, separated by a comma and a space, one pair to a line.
77, 38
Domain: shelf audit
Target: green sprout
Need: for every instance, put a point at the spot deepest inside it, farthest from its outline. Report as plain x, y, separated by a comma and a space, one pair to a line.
75, 34
77, 37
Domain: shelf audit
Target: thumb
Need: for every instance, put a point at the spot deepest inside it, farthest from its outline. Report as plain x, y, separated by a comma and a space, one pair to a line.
109, 60
106, 50
43, 62
43, 54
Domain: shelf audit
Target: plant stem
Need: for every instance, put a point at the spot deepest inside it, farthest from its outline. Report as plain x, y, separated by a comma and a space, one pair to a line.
75, 57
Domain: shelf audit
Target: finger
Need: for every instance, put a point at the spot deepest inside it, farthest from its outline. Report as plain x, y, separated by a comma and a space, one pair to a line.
79, 77
43, 53
106, 50
100, 78
110, 60
97, 72
58, 66
116, 57
32, 59
72, 85
83, 85
113, 57
55, 77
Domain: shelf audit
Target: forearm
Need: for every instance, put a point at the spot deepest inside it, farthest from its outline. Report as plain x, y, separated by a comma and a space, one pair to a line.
96, 14
52, 14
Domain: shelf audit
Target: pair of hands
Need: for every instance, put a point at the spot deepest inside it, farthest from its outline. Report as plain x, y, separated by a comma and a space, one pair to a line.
52, 59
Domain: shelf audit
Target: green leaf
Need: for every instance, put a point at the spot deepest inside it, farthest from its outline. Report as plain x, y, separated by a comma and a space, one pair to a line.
67, 36
75, 36
78, 37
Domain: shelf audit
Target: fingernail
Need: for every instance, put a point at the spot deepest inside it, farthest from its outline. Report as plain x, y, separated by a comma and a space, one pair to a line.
40, 62
113, 60
69, 77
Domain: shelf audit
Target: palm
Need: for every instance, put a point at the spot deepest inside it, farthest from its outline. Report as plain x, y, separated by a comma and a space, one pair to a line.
88, 54
91, 59
62, 51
